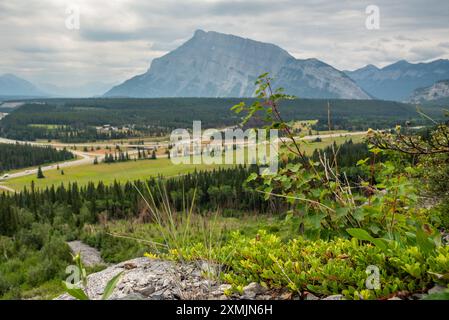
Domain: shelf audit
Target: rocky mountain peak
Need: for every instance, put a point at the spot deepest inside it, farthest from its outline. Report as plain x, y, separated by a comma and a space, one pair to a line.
213, 64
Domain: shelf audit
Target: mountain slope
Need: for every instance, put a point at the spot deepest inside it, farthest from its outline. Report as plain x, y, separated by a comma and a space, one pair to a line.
397, 81
91, 89
10, 85
437, 91
212, 64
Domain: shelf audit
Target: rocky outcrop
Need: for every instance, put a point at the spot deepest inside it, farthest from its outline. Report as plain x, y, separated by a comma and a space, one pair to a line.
437, 91
213, 64
89, 256
153, 279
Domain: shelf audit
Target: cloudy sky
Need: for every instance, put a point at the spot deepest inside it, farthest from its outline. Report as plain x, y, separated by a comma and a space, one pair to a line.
118, 38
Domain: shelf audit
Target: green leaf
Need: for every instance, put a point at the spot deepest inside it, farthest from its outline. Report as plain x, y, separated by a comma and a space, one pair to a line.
111, 286
77, 293
362, 162
359, 234
359, 214
365, 236
314, 220
253, 176
423, 242
374, 229
288, 216
341, 212
268, 190
379, 243
376, 150
238, 107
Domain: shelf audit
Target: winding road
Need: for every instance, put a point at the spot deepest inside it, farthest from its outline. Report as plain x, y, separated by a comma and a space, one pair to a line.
86, 158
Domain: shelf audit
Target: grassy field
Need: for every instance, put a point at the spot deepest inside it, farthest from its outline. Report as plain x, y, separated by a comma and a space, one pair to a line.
309, 146
47, 126
122, 171
304, 128
43, 165
133, 170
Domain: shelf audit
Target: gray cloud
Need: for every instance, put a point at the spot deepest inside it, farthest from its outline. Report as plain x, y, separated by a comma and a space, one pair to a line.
119, 38
425, 53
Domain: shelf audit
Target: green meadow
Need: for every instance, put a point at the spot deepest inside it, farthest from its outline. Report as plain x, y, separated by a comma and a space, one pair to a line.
134, 170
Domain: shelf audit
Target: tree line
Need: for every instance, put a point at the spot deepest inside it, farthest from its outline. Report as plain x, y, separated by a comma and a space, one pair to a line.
16, 156
74, 120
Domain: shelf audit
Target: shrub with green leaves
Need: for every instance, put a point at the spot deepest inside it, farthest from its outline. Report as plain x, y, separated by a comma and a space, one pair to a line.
325, 267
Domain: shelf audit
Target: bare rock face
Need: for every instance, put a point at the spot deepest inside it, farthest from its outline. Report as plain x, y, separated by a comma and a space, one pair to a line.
439, 90
89, 256
334, 297
252, 290
213, 64
152, 279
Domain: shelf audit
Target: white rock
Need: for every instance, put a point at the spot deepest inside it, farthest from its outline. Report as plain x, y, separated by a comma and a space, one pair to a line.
310, 296
224, 287
334, 297
437, 289
255, 288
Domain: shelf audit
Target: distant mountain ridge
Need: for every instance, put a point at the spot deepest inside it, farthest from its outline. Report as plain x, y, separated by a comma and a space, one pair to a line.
11, 85
398, 81
213, 64
14, 87
91, 89
437, 91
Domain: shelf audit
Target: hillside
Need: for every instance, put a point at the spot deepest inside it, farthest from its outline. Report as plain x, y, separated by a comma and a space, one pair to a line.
13, 86
433, 93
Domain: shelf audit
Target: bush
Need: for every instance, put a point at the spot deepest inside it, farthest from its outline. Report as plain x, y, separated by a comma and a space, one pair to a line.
4, 285
34, 258
325, 267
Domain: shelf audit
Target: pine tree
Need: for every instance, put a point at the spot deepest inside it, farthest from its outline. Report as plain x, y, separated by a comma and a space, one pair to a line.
40, 174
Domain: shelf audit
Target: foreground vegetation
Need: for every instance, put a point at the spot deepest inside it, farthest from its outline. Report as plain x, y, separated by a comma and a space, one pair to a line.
34, 219
345, 231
